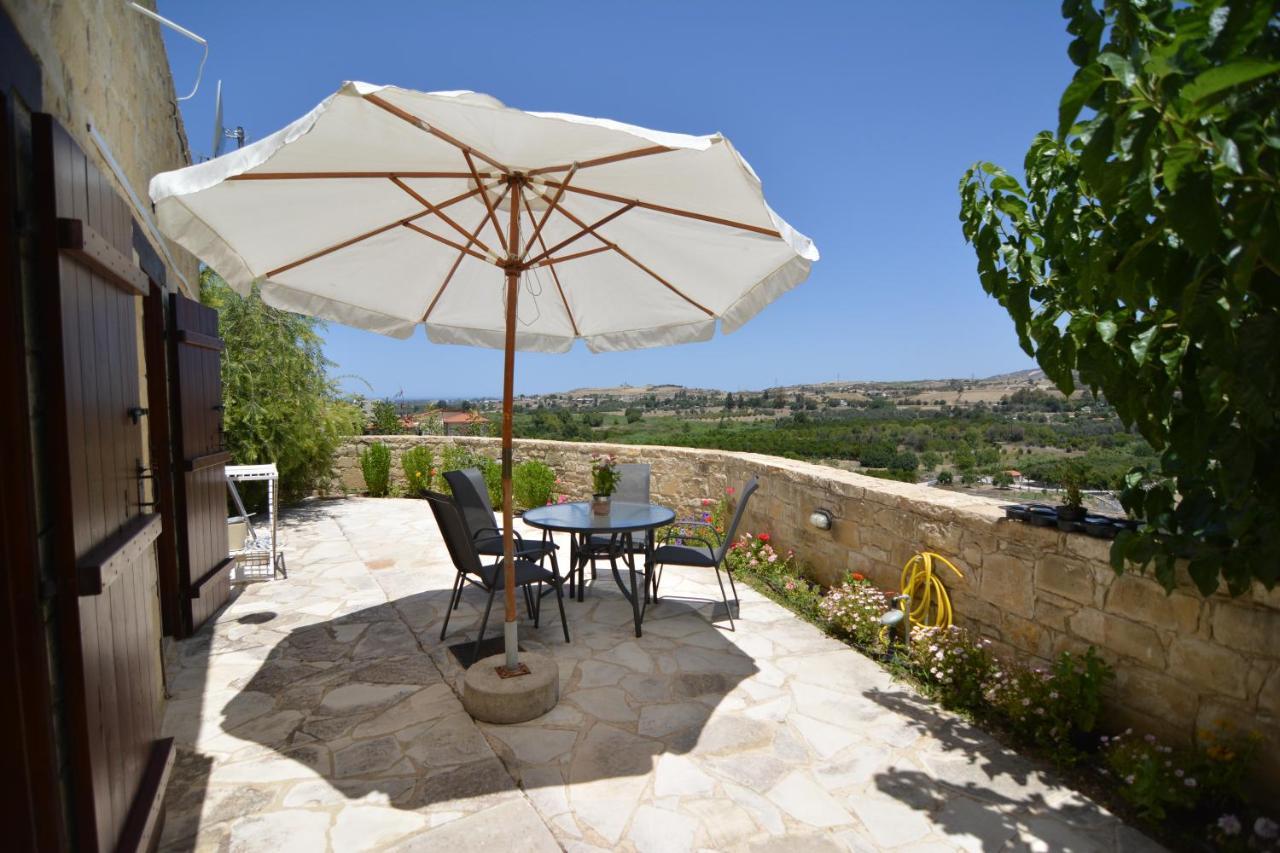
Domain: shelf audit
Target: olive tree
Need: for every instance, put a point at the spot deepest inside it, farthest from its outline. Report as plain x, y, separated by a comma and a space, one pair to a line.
1141, 254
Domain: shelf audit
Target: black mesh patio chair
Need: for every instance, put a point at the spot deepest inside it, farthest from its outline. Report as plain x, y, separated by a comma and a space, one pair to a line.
491, 578
633, 487
472, 495
699, 545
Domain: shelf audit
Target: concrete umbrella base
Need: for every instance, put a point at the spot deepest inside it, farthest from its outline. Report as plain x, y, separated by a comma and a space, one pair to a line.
492, 699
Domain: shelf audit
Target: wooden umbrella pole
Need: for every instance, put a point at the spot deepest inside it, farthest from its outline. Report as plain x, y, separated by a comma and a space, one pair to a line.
513, 666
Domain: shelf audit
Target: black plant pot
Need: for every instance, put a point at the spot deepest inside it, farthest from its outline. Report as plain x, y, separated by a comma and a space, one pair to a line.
1071, 513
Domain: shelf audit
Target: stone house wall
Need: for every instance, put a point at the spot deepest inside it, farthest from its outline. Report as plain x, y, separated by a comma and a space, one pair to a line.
1182, 661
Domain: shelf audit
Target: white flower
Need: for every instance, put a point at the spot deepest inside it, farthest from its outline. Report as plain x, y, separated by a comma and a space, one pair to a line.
1129, 778
1189, 782
1229, 824
1179, 773
1266, 828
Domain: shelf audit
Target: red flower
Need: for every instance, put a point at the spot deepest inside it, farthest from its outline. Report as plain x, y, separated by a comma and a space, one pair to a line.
706, 501
729, 490
858, 576
764, 537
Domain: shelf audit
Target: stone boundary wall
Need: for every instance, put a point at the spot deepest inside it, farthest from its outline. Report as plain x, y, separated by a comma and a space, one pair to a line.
1182, 661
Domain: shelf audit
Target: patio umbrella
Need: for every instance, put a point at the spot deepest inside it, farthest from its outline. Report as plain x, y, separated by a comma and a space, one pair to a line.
385, 208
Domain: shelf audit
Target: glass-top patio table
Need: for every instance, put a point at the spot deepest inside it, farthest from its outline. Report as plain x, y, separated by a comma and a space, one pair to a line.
623, 520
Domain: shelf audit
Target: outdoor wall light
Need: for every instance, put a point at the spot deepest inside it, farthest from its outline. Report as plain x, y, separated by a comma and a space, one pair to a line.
821, 519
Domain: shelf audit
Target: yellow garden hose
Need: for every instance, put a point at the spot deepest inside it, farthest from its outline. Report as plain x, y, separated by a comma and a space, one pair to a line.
930, 604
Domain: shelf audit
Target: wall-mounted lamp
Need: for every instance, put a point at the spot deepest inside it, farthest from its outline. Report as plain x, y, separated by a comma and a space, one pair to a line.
821, 519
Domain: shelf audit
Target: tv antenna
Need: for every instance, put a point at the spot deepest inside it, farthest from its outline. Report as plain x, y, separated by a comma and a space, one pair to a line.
221, 134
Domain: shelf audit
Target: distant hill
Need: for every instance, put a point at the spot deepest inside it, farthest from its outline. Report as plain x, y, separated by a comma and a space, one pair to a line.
952, 391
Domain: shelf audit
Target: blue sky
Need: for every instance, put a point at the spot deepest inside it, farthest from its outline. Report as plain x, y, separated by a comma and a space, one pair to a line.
859, 117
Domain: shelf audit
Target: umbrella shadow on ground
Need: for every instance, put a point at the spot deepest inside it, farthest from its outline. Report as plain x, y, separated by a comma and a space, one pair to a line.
992, 794
361, 700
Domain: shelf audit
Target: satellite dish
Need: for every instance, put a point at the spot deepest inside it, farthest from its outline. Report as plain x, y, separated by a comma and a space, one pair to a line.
218, 134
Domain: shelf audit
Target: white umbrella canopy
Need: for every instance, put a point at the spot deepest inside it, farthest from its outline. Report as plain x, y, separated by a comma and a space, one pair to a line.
330, 213
384, 208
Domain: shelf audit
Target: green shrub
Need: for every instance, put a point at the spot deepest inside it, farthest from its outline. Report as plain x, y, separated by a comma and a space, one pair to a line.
1052, 708
417, 463
534, 483
1158, 779
456, 457
945, 478
375, 462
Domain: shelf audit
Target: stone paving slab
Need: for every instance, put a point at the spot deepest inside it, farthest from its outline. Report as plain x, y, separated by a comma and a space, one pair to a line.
321, 712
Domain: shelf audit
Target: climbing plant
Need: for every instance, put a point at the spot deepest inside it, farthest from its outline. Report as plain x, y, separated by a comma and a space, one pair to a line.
1141, 254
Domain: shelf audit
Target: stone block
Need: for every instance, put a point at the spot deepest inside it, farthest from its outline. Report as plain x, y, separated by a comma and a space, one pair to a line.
1250, 629
1087, 548
1158, 695
1209, 666
943, 537
1053, 615
1089, 625
1066, 577
1133, 640
1143, 600
1269, 695
1007, 583
1027, 635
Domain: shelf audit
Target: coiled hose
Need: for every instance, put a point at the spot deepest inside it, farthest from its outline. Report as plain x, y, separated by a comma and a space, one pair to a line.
930, 604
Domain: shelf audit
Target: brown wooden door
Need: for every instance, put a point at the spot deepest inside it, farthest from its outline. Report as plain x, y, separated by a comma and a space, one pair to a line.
204, 569
110, 666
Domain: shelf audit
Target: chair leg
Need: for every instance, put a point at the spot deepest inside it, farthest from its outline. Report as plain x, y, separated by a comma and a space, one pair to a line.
536, 600
475, 655
729, 609
455, 596
734, 589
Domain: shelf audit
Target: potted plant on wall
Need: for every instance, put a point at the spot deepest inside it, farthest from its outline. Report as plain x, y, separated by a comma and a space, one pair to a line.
1072, 512
604, 481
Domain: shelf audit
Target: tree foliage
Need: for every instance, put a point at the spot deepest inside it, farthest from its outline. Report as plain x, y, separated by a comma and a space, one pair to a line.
385, 420
279, 402
1142, 254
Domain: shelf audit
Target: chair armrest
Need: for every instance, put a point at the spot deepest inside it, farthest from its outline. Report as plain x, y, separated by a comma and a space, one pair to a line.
515, 534
678, 524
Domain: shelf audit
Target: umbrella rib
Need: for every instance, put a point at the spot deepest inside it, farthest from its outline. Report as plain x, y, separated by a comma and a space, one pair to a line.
457, 263
564, 211
546, 214
551, 262
310, 176
601, 161
421, 124
586, 229
366, 235
674, 211
441, 214
554, 275
488, 206
434, 236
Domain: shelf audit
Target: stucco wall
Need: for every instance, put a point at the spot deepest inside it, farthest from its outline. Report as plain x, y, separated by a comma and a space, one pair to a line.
1181, 661
105, 64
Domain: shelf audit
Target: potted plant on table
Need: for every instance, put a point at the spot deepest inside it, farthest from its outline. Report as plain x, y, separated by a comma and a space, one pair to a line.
604, 482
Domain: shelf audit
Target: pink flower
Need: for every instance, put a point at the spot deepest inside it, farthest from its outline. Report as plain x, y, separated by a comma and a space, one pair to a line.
706, 501
729, 490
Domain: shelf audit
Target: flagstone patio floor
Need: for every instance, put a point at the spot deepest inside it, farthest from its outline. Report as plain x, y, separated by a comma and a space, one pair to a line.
321, 712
